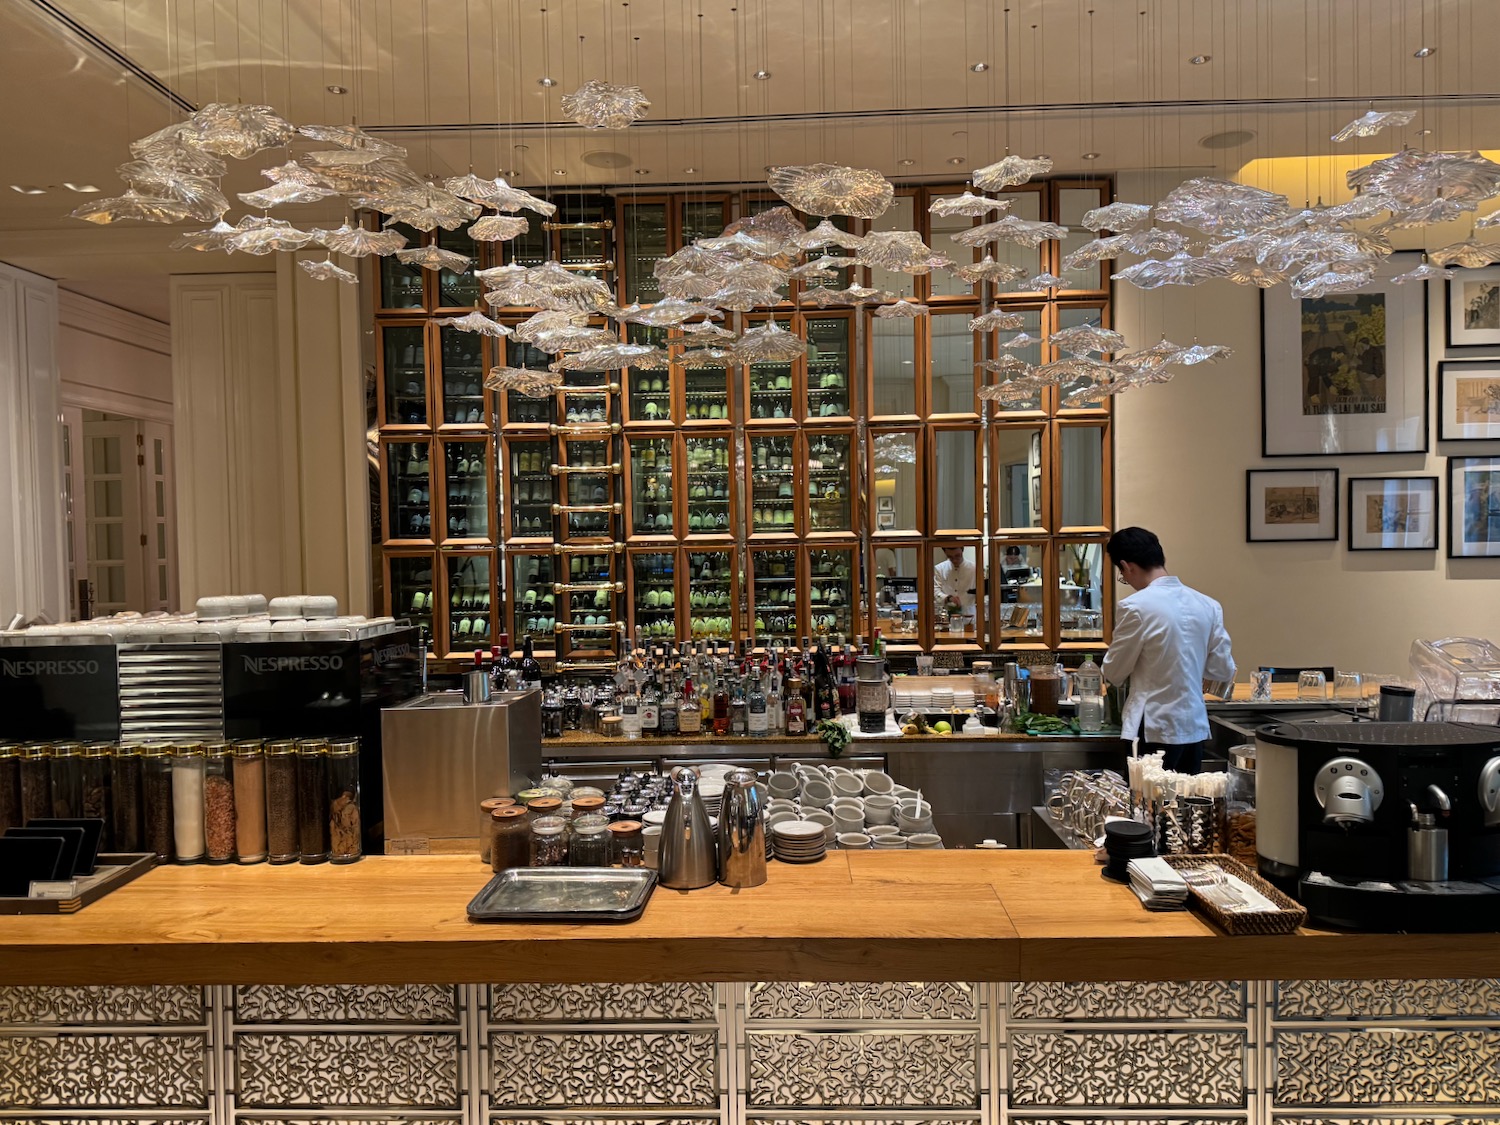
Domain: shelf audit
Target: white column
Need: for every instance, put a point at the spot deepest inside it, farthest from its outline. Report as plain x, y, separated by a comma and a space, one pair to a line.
32, 568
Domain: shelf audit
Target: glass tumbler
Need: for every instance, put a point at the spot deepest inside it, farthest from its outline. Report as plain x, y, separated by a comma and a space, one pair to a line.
1311, 684
1260, 686
1348, 687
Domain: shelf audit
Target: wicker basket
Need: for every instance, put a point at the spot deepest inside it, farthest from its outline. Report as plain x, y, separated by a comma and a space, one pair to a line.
1288, 916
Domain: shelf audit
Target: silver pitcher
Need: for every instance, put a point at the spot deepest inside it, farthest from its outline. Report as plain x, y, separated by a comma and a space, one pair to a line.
742, 831
688, 858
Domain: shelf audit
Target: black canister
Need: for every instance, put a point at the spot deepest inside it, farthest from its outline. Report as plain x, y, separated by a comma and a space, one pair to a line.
1397, 703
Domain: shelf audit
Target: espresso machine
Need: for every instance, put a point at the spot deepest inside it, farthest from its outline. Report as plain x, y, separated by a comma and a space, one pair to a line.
1383, 826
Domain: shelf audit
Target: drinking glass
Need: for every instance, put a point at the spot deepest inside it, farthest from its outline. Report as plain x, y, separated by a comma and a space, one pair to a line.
1348, 686
1311, 684
1260, 686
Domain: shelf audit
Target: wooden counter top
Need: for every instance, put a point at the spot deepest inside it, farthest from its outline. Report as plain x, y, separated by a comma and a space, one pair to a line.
859, 916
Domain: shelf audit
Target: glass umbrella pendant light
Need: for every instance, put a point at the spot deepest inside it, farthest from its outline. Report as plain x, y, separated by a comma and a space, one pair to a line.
326, 270
833, 189
604, 105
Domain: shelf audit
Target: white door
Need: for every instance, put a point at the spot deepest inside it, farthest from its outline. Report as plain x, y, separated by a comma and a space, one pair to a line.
113, 525
159, 515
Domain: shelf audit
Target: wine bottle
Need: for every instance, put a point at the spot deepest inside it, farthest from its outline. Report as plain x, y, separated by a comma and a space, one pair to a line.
531, 671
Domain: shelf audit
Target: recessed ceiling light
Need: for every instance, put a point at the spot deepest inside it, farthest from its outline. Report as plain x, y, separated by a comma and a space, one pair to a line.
643, 171
547, 82
1424, 132
980, 67
955, 160
559, 171
689, 171
1229, 138
1091, 156
337, 89
1199, 60
761, 75
906, 162
83, 189
28, 189
1424, 52
768, 167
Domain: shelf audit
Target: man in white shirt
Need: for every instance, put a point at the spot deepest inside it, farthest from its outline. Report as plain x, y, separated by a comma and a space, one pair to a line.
1168, 639
954, 577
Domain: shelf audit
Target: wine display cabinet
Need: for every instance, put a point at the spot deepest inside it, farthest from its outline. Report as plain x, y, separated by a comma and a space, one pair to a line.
768, 501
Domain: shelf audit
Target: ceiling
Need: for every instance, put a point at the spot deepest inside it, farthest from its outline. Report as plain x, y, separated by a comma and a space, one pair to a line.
889, 84
145, 296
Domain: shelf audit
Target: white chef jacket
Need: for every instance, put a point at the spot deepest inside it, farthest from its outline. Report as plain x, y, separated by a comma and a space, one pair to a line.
949, 581
1168, 639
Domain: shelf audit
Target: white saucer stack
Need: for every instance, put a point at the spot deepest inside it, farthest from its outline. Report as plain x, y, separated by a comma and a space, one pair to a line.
799, 841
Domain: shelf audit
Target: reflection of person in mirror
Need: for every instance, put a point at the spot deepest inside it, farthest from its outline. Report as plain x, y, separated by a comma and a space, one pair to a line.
1168, 639
954, 580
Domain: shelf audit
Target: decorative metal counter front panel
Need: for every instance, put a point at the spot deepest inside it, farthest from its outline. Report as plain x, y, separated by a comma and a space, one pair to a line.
897, 1053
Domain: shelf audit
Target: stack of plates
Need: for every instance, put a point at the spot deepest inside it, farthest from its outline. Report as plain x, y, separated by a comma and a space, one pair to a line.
942, 699
963, 698
799, 841
901, 699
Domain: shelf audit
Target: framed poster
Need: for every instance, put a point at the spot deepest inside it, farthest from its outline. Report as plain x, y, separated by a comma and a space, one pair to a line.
1473, 507
1393, 513
1474, 308
1345, 373
1291, 505
1469, 400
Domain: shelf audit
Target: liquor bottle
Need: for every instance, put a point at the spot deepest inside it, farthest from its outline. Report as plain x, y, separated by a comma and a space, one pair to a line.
669, 716
721, 707
739, 717
689, 711
796, 713
630, 709
531, 671
846, 682
501, 664
706, 705
757, 720
825, 691
650, 709
775, 705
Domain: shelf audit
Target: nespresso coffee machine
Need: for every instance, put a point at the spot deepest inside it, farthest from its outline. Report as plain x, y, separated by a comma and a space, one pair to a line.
1383, 826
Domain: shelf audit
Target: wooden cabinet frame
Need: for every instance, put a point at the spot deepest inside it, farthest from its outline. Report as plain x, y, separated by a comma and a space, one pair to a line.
686, 533
935, 434
755, 473
389, 379
485, 444
690, 582
873, 435
633, 594
759, 587
449, 645
674, 505
808, 608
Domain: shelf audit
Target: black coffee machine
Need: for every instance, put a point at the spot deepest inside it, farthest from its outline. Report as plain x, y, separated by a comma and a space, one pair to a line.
1383, 826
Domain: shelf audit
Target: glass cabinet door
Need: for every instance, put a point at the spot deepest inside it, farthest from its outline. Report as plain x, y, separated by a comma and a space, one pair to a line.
1022, 567
461, 355
594, 488
830, 482
893, 378
590, 613
1081, 591
653, 594
706, 393
470, 624
833, 600
958, 594
404, 351
467, 489
897, 582
828, 367
587, 398
533, 604
521, 408
1019, 345
410, 589
644, 241
401, 284
710, 486
459, 290
530, 483
712, 583
651, 486
650, 389
408, 477
772, 469
773, 589
772, 391
702, 219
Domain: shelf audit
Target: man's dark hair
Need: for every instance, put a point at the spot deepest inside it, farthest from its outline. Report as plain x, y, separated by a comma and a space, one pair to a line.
1135, 545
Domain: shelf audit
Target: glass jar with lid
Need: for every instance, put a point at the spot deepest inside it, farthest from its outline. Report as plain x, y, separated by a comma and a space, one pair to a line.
1240, 806
549, 841
591, 843
189, 763
539, 807
249, 777
156, 783
219, 812
487, 823
345, 824
629, 844
96, 759
510, 838
587, 805
10, 786
67, 780
126, 798
312, 800
281, 801
36, 781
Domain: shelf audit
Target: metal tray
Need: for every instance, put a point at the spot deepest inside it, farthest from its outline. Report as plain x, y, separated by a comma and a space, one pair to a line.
564, 894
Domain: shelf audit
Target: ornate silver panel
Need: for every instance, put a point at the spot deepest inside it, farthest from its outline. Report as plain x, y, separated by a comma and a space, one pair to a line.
165, 1006
1129, 1000
1397, 1066
30, 1120
382, 1119
501, 1119
346, 1003
104, 1071
864, 1121
1094, 1120
1443, 1119
916, 1069
782, 1000
1126, 1068
348, 1070
604, 1069
566, 1003
1387, 999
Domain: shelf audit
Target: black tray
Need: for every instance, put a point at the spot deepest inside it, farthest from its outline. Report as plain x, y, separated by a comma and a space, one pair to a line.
114, 870
564, 894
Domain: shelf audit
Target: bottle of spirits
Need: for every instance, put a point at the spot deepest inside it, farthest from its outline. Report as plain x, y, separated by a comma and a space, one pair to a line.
846, 682
775, 705
531, 670
501, 665
757, 720
630, 709
689, 711
668, 716
796, 712
739, 717
825, 691
721, 706
650, 709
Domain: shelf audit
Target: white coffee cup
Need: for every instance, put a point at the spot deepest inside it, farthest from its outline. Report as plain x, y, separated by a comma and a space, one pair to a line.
853, 841
877, 782
880, 810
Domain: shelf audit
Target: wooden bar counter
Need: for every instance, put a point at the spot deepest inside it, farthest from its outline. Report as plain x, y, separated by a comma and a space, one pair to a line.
939, 916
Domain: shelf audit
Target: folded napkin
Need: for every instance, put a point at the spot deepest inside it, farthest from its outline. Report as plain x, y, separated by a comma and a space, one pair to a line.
1157, 885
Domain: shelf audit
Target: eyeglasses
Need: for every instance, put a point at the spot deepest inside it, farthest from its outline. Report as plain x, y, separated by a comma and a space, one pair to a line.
1120, 578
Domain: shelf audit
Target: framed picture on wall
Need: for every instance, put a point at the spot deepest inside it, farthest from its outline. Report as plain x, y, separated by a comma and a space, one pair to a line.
1474, 308
1469, 400
1473, 507
1393, 513
1347, 372
1291, 505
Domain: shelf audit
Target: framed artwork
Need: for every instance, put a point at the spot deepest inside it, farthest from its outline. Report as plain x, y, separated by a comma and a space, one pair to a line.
1345, 373
1393, 513
1473, 507
885, 521
1469, 400
1474, 308
1291, 505
885, 503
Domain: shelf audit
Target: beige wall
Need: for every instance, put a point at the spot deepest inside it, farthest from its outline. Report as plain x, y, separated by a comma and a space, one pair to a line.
1181, 452
113, 360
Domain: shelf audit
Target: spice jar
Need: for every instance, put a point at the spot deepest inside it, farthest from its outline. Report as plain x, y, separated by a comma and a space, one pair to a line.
549, 841
36, 781
67, 780
544, 807
96, 759
156, 780
345, 825
125, 799
591, 843
587, 805
10, 786
487, 824
249, 776
610, 724
188, 766
629, 843
219, 811
281, 802
510, 838
312, 800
